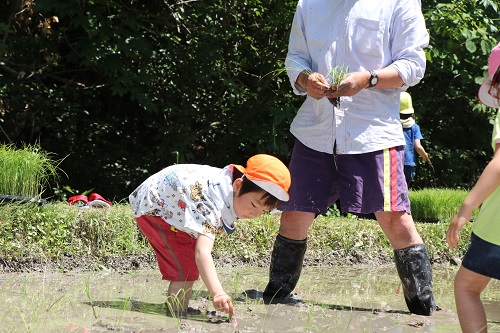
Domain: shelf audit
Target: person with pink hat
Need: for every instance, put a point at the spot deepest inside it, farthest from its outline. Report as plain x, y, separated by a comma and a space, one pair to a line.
182, 208
482, 259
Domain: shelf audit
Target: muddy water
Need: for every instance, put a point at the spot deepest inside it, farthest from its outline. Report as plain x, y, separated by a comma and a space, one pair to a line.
333, 299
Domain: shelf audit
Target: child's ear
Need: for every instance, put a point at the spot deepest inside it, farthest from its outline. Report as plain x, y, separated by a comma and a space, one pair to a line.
237, 184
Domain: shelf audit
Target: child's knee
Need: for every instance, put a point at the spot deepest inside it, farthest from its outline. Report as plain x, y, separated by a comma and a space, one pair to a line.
469, 281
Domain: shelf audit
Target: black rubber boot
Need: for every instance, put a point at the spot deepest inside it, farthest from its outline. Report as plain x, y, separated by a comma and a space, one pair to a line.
415, 272
286, 265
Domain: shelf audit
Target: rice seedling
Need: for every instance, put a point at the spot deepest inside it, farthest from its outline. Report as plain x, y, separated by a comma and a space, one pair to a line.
174, 305
236, 282
25, 172
87, 292
334, 76
27, 325
58, 299
124, 307
433, 204
309, 326
29, 312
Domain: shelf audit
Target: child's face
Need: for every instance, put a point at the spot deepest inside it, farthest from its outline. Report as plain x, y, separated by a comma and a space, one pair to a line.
249, 205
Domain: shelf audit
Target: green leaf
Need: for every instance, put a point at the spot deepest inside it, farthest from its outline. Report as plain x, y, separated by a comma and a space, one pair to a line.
470, 45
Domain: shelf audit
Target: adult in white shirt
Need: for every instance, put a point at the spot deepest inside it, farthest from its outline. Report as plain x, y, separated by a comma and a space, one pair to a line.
353, 151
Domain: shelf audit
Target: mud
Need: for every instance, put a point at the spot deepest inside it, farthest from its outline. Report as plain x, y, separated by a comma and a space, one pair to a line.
327, 299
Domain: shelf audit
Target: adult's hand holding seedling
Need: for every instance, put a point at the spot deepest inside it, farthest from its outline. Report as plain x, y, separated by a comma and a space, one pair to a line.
315, 84
350, 85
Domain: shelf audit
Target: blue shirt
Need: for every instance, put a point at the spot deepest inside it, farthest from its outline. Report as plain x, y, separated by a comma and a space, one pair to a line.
411, 134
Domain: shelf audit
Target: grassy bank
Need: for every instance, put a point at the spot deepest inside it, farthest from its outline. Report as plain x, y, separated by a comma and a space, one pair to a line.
56, 230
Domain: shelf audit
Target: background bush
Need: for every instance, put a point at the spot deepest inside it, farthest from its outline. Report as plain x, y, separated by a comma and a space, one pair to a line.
123, 88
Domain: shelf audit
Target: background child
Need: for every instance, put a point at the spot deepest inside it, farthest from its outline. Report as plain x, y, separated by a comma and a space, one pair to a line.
412, 134
183, 207
482, 260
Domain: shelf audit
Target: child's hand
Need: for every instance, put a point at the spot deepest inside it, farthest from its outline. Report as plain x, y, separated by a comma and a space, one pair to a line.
456, 225
223, 303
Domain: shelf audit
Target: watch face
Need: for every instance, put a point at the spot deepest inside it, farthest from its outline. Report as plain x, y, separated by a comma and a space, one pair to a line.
373, 79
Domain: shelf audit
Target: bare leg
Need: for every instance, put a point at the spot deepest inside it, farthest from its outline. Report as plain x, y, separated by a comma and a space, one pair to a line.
295, 224
399, 229
179, 293
468, 288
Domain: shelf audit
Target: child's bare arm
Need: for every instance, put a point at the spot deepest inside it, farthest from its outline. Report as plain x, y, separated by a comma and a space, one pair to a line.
421, 151
485, 186
206, 266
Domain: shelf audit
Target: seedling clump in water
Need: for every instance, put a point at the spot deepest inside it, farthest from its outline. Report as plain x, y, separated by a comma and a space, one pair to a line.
334, 76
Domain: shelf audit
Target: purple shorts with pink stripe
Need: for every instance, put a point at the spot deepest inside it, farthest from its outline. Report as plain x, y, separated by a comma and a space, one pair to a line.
364, 183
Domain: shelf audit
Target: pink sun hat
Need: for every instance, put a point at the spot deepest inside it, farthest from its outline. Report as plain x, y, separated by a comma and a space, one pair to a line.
493, 64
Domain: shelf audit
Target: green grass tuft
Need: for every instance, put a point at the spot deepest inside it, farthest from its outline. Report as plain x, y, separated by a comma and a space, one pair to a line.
25, 172
436, 204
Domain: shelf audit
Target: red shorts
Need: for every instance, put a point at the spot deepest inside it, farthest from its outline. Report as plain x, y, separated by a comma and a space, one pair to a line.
175, 250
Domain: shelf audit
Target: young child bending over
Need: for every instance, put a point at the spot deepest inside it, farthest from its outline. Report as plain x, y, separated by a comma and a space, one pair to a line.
183, 207
482, 260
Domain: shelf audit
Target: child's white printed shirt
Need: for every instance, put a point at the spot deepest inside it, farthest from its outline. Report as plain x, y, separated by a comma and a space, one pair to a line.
190, 197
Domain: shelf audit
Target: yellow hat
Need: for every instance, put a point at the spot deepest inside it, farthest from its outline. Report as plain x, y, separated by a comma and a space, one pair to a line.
405, 105
269, 173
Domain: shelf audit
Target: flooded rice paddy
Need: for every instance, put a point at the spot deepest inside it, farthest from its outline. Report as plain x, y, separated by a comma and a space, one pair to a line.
333, 299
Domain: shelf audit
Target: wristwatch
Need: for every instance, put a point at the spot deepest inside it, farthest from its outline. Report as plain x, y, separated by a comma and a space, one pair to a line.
373, 79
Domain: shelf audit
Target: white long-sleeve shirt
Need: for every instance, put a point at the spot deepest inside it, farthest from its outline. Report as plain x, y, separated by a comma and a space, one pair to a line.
364, 35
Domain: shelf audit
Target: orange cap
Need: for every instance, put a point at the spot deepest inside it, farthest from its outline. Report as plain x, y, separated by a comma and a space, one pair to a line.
269, 173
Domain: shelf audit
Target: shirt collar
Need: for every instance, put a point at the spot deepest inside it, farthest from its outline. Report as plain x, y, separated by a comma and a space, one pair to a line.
223, 190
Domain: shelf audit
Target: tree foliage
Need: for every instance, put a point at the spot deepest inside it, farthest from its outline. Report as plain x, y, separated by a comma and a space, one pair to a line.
455, 125
123, 88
